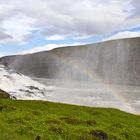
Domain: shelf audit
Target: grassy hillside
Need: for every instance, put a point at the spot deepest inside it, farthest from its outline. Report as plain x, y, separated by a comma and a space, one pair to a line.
4, 95
42, 120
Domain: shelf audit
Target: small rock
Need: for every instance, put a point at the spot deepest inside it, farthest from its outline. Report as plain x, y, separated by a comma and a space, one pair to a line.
99, 134
38, 138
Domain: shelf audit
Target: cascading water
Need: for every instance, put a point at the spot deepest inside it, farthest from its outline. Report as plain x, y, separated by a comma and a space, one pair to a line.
20, 86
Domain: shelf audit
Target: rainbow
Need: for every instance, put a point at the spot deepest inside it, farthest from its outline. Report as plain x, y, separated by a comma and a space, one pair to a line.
92, 75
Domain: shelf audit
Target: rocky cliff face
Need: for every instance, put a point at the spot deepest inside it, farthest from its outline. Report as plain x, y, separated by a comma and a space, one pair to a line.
115, 62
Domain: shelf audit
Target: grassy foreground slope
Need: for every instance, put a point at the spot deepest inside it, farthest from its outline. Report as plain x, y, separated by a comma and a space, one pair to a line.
4, 95
42, 120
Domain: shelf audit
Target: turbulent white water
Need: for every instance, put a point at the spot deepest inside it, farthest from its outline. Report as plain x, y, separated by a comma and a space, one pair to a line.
20, 86
72, 92
93, 94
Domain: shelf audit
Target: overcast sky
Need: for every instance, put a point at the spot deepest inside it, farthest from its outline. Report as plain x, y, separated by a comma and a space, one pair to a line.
35, 25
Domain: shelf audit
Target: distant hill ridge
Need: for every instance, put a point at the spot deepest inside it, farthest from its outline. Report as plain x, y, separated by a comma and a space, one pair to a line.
115, 62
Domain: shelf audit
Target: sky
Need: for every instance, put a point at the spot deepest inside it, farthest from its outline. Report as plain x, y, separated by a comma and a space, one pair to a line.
29, 26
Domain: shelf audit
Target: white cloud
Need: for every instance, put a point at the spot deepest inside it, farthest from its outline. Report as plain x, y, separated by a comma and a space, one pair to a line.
82, 37
62, 18
2, 54
18, 27
124, 34
55, 37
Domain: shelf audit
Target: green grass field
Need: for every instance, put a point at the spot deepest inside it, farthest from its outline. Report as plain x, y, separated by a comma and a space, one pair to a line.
42, 120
